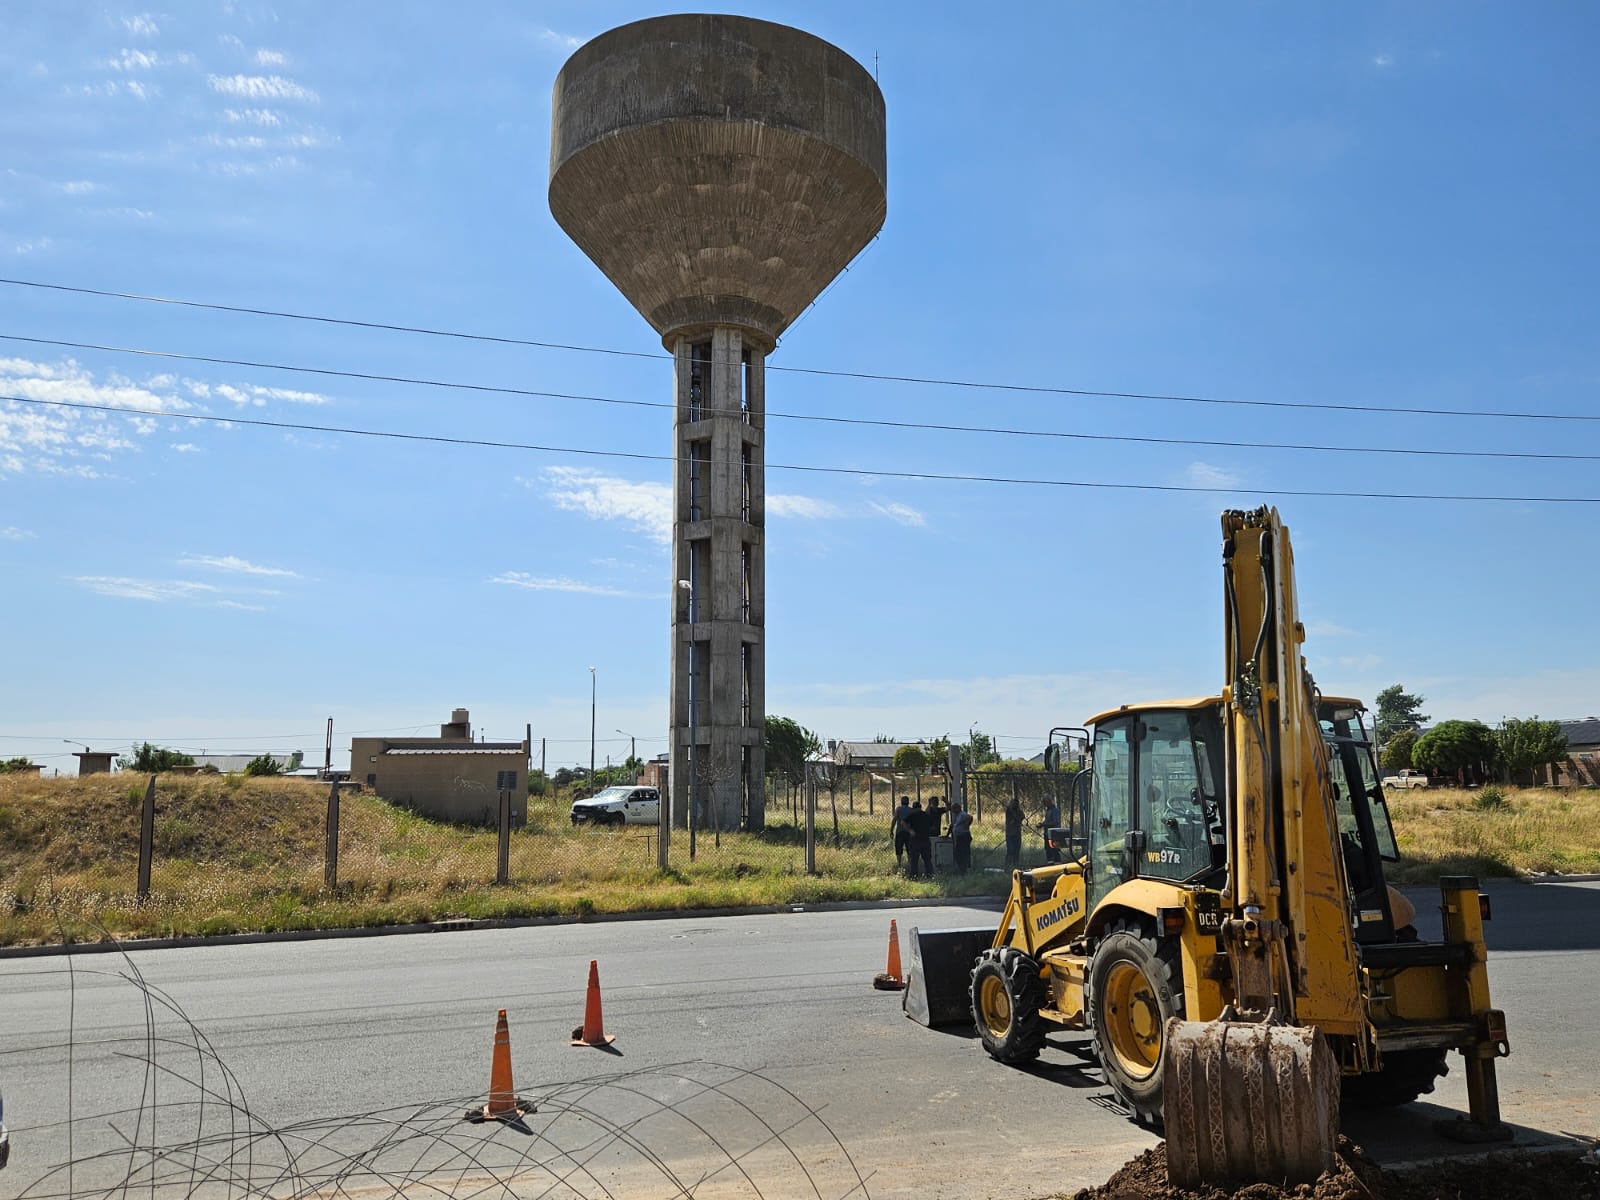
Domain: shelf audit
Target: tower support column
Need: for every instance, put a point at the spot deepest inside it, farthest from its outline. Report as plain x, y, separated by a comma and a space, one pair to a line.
718, 620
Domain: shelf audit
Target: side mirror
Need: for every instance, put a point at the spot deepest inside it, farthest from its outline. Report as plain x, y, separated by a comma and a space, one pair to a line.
1133, 842
1052, 757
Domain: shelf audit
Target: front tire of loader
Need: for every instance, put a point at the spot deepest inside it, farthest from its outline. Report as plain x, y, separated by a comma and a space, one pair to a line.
1135, 987
1006, 995
1405, 1075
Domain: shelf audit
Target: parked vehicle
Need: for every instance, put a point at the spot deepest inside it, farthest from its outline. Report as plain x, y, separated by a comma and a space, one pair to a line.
1406, 779
619, 805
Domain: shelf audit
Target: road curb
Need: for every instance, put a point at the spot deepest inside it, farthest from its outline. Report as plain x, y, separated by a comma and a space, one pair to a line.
467, 925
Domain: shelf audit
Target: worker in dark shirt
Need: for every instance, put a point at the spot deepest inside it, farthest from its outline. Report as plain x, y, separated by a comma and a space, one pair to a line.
902, 830
921, 842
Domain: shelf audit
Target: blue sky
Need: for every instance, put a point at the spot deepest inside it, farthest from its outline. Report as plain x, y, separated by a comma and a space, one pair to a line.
1388, 206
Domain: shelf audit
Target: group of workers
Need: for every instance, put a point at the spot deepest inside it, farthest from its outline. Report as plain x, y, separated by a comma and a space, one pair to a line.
915, 828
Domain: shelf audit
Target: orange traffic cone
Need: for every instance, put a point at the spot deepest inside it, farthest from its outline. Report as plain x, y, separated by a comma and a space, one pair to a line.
891, 980
504, 1103
593, 1030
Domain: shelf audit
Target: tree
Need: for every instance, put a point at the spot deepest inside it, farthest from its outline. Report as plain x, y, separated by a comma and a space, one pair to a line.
538, 782
150, 760
978, 750
788, 744
1397, 750
911, 760
939, 750
15, 764
882, 739
263, 764
1397, 710
1457, 748
1525, 745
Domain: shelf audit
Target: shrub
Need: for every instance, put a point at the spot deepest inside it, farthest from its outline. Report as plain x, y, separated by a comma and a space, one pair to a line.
1490, 797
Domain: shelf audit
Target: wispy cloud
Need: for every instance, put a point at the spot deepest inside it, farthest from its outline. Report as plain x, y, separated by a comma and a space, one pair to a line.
261, 87
29, 246
271, 58
230, 562
1383, 60
143, 25
1203, 474
157, 590
902, 513
186, 447
252, 394
142, 60
78, 187
265, 117
12, 534
536, 583
803, 508
645, 507
564, 40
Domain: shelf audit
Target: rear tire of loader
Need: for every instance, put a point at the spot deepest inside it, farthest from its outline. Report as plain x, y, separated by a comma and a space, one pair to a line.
1135, 988
1006, 995
1406, 1074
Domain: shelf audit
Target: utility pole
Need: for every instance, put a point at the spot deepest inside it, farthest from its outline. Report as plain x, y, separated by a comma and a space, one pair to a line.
591, 724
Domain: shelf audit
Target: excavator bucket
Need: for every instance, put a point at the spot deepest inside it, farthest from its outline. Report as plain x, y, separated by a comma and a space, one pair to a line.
1248, 1102
939, 990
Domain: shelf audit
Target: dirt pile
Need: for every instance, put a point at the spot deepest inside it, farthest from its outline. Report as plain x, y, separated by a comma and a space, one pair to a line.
1512, 1175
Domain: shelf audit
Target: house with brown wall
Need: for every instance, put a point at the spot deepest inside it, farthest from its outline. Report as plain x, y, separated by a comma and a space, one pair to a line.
450, 777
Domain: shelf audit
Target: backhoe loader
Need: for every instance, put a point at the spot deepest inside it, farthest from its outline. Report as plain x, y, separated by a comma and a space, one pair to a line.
1222, 925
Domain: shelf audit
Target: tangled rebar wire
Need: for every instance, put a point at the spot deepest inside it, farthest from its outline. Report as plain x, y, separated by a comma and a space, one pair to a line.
685, 1129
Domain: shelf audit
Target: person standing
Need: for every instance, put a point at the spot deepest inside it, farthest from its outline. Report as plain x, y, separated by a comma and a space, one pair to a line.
902, 830
1052, 818
1013, 834
921, 842
961, 835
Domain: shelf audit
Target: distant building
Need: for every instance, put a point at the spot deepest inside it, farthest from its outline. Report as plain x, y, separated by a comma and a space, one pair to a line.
1582, 766
93, 762
450, 777
870, 756
228, 764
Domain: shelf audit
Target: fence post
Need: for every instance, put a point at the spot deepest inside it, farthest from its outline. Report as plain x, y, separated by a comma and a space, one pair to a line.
502, 870
330, 854
811, 825
147, 838
977, 791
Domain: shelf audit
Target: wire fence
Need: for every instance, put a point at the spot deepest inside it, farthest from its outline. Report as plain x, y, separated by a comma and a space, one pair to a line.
208, 855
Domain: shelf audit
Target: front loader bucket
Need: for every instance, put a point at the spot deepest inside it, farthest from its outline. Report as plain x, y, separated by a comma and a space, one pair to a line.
1248, 1102
939, 991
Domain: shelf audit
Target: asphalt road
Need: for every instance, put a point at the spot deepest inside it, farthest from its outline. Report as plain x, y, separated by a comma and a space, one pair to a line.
317, 1030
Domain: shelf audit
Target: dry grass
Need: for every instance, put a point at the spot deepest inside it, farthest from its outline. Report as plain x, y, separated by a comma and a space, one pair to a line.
236, 855
1492, 832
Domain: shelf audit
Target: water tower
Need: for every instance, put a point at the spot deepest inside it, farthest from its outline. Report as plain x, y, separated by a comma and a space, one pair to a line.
720, 171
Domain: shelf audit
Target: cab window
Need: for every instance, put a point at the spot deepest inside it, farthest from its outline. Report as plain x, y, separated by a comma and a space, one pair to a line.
1177, 791
1110, 807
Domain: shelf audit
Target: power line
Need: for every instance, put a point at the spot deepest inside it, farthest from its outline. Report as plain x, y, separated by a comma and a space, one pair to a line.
883, 423
878, 377
860, 472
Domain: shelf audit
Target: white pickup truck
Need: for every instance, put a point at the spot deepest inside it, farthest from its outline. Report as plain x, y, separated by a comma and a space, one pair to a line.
1406, 779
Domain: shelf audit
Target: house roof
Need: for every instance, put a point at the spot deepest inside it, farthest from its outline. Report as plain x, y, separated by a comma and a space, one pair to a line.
876, 749
1582, 733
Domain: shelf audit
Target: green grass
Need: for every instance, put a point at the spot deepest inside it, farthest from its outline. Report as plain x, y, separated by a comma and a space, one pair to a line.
241, 855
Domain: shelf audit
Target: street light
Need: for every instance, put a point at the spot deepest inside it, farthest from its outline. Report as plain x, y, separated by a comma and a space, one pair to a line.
632, 747
591, 726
